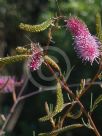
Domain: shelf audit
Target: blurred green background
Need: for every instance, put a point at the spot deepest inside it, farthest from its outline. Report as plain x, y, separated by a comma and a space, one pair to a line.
12, 12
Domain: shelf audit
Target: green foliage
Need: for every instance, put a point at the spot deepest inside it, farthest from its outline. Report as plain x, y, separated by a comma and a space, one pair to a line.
99, 27
12, 59
61, 130
36, 28
80, 6
96, 102
91, 102
59, 104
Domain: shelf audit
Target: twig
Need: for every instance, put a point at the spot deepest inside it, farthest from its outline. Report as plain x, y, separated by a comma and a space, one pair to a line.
92, 81
64, 85
31, 94
77, 85
51, 119
83, 91
13, 109
49, 39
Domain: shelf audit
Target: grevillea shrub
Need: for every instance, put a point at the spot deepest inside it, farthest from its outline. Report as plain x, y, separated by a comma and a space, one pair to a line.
35, 56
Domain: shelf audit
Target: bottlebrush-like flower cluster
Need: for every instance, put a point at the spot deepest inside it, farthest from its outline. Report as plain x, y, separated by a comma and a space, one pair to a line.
37, 56
86, 45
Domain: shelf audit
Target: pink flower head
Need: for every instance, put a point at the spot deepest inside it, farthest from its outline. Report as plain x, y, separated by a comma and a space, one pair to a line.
9, 83
86, 45
37, 57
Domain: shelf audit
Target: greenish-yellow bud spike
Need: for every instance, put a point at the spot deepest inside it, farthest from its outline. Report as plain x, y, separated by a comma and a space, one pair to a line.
12, 59
60, 101
21, 50
36, 28
61, 130
51, 62
59, 104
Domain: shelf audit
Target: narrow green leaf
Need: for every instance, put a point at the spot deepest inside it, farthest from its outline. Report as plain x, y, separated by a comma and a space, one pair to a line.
97, 101
61, 130
91, 102
88, 125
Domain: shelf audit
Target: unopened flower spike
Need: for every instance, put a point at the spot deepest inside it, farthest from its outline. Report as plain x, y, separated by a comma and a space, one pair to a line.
37, 56
86, 45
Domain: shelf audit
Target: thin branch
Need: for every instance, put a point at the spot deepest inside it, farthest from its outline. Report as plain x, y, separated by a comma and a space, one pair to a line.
49, 39
70, 92
14, 95
51, 119
13, 108
91, 82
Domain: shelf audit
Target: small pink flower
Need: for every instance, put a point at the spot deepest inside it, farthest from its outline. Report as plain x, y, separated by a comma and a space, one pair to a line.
86, 45
37, 57
8, 84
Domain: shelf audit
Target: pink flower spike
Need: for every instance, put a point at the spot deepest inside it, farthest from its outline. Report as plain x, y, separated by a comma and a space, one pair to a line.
36, 58
86, 45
